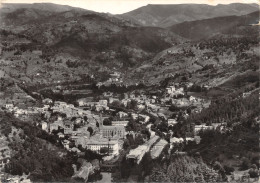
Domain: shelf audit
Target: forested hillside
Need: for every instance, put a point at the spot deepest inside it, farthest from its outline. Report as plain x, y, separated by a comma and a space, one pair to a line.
35, 151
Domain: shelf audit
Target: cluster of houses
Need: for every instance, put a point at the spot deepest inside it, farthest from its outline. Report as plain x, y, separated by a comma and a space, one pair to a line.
73, 127
115, 78
98, 106
24, 113
82, 126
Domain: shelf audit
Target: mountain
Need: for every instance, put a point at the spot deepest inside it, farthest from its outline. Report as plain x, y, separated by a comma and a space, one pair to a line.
168, 15
73, 41
229, 26
10, 7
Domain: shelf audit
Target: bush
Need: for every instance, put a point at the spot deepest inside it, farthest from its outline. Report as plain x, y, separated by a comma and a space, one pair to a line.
245, 164
107, 122
253, 172
228, 169
103, 150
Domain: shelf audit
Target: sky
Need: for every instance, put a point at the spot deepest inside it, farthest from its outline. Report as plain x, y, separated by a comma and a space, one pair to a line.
122, 6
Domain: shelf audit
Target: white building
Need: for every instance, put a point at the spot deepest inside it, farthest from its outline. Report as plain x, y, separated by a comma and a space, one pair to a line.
199, 128
119, 123
172, 122
113, 132
45, 126
122, 114
97, 145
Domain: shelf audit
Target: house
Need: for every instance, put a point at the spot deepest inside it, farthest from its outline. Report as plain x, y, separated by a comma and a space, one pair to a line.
122, 114
66, 144
74, 149
172, 122
107, 94
47, 101
56, 125
103, 103
199, 128
181, 102
132, 96
126, 96
115, 75
145, 118
134, 116
9, 106
175, 140
60, 135
111, 100
170, 89
99, 108
68, 127
45, 126
37, 52
140, 107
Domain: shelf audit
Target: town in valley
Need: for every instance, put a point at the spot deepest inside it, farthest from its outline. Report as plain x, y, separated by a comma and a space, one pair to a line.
163, 93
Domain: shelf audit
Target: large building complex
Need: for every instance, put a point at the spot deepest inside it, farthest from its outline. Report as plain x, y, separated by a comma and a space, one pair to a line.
113, 132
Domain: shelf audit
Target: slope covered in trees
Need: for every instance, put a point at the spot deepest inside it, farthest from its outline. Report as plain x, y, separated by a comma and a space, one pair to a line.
36, 152
228, 110
183, 168
236, 144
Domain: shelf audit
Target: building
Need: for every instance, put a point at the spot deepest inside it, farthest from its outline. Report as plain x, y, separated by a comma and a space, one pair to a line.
9, 106
122, 114
138, 153
143, 117
47, 101
68, 127
172, 122
103, 103
119, 123
157, 148
45, 126
199, 128
113, 132
56, 125
97, 145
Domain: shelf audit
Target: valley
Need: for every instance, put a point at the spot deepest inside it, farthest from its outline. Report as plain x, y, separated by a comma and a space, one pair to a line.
163, 93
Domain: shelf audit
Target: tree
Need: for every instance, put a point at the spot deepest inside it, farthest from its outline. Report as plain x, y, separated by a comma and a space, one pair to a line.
159, 175
104, 150
245, 164
253, 172
173, 108
126, 144
132, 104
107, 122
90, 129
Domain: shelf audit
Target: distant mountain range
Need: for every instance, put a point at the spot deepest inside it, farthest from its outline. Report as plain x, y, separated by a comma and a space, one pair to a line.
84, 35
168, 15
10, 7
99, 41
228, 25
